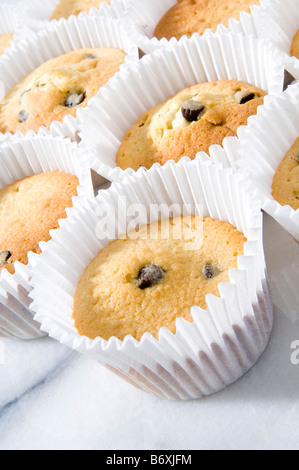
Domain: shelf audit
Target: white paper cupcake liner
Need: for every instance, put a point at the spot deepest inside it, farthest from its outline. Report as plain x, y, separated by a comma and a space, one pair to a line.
202, 357
144, 16
160, 75
279, 23
263, 145
12, 20
38, 13
60, 38
21, 157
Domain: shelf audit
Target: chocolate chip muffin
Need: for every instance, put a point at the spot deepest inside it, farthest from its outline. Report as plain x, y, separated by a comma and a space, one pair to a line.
5, 40
285, 186
147, 279
189, 122
195, 16
295, 45
29, 209
66, 8
58, 88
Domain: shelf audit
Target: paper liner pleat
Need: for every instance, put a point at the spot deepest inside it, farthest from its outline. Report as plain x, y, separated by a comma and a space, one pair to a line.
204, 356
145, 84
21, 157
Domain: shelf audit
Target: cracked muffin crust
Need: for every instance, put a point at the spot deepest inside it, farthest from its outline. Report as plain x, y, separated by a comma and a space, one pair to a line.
195, 16
58, 88
29, 209
147, 279
189, 122
285, 186
66, 8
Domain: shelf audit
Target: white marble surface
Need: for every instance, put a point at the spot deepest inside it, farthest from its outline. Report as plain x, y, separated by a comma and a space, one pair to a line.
54, 398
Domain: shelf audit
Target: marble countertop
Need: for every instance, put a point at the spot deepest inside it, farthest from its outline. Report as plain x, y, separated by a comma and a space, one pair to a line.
54, 398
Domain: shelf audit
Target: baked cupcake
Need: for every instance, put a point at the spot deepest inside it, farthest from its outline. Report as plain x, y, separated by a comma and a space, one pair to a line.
142, 290
195, 16
144, 274
285, 186
220, 58
189, 122
58, 88
40, 177
30, 208
66, 8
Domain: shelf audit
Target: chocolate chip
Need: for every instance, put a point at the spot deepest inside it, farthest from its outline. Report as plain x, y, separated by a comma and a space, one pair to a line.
74, 100
24, 92
4, 257
149, 276
23, 116
191, 110
209, 271
90, 57
244, 96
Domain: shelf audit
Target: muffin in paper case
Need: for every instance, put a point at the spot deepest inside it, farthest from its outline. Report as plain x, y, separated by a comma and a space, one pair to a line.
159, 76
203, 356
263, 145
58, 39
21, 157
144, 15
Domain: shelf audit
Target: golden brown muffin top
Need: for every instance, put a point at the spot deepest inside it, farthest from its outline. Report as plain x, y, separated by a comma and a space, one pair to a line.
146, 280
58, 88
29, 209
66, 8
189, 122
195, 16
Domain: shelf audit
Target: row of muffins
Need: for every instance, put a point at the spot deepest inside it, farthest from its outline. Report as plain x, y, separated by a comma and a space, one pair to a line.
275, 20
205, 103
243, 99
24, 113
